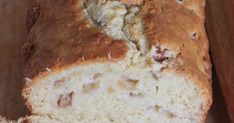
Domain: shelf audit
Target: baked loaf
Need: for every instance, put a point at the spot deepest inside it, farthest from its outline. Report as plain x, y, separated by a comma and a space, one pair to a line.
123, 61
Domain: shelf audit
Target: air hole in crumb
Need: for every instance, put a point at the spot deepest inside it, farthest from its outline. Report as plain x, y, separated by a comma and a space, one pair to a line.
132, 94
128, 83
133, 81
156, 88
65, 100
111, 119
59, 82
97, 75
157, 108
49, 115
91, 86
154, 75
170, 115
194, 36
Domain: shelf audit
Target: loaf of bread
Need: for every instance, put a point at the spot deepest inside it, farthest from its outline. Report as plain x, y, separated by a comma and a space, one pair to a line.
120, 61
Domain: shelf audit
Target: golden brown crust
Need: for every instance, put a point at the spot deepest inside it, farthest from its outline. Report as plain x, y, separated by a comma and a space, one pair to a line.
175, 27
194, 6
62, 35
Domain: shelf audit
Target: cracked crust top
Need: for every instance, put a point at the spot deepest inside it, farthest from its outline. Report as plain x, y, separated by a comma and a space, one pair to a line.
62, 35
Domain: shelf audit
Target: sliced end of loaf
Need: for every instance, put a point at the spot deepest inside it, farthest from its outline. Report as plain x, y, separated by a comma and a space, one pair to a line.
108, 92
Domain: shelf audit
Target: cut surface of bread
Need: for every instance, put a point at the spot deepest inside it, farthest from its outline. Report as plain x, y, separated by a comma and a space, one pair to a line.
118, 61
98, 92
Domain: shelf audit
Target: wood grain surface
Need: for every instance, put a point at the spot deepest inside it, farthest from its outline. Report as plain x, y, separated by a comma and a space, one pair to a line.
220, 29
12, 37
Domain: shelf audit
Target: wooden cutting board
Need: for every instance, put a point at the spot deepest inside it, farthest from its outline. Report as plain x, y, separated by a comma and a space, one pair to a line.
12, 37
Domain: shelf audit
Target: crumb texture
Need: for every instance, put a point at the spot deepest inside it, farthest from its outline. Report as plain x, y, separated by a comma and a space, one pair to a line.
117, 95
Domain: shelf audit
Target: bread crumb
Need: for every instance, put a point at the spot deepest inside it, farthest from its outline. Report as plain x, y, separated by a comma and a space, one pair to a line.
157, 108
65, 100
170, 115
91, 86
97, 75
136, 94
154, 75
133, 81
156, 88
110, 90
59, 81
